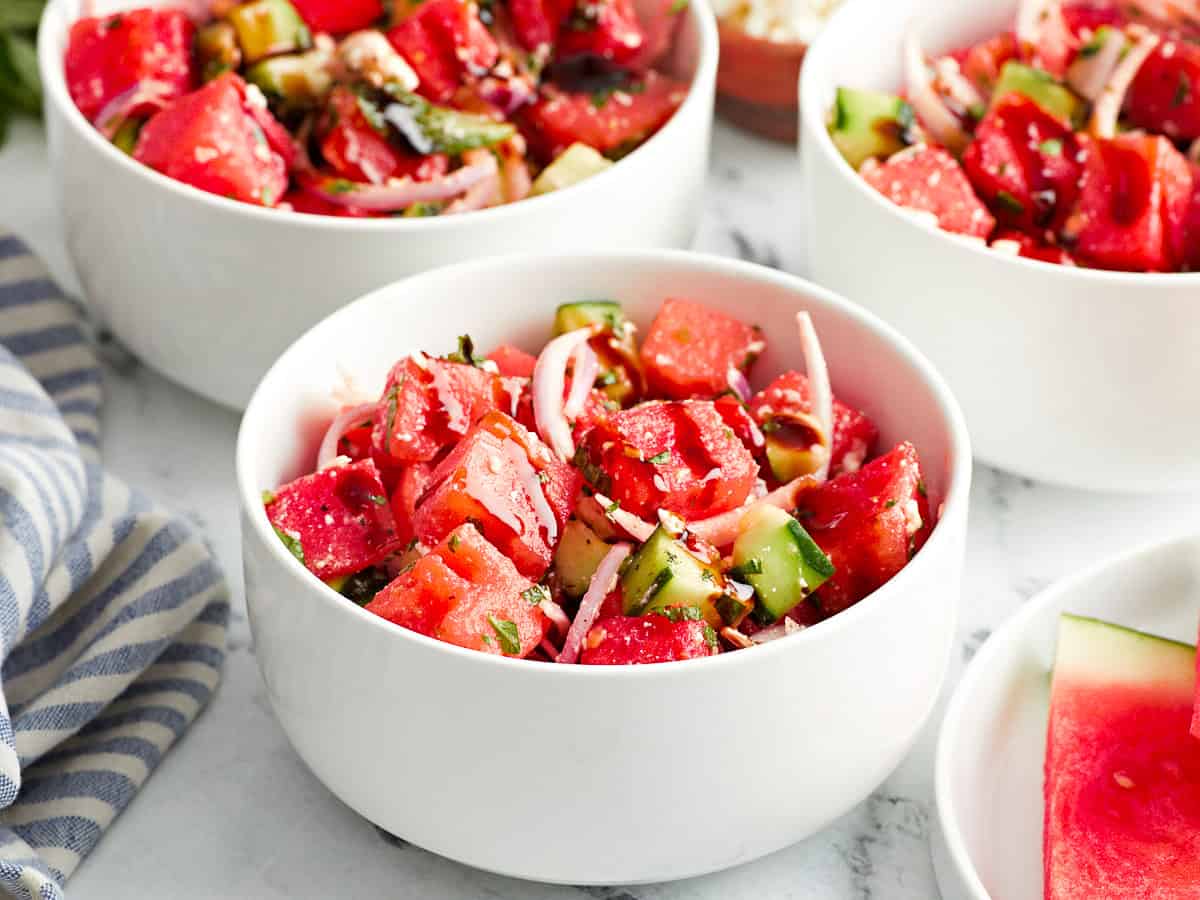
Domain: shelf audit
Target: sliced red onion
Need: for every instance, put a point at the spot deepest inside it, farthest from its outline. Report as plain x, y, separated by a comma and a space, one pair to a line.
957, 86
1088, 75
723, 529
549, 382
399, 193
821, 393
736, 379
555, 614
547, 647
145, 93
342, 423
485, 192
528, 476
1108, 108
937, 118
585, 368
780, 629
636, 528
603, 581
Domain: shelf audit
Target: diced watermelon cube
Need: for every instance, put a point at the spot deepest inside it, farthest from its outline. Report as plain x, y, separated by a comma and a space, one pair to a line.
608, 29
108, 55
537, 22
1165, 95
636, 640
930, 180
983, 61
445, 43
690, 349
854, 434
339, 16
336, 521
506, 481
512, 361
1056, 44
678, 456
414, 480
465, 592
1023, 162
352, 146
1135, 193
560, 118
869, 523
738, 418
1083, 15
1186, 237
429, 404
211, 140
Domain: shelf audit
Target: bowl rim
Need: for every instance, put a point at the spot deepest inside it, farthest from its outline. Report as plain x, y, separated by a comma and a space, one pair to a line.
50, 66
953, 508
1000, 643
813, 117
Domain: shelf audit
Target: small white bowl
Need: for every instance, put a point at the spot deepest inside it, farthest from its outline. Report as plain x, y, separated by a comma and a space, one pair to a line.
210, 291
988, 778
582, 774
1076, 376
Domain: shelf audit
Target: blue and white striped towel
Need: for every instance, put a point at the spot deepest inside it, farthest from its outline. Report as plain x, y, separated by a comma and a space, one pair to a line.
112, 613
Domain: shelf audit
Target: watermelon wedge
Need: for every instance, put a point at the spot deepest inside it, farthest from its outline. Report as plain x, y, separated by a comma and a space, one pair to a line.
1122, 785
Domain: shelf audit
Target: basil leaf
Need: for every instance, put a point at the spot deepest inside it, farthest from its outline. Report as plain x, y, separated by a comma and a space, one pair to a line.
506, 632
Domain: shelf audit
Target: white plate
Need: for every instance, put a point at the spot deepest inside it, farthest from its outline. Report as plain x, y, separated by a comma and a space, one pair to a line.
988, 778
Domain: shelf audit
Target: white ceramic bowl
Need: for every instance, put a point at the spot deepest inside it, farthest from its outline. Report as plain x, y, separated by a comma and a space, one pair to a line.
210, 291
1076, 376
988, 776
589, 774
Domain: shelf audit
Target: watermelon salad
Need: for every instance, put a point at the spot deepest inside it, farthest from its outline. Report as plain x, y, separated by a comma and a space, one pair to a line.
1073, 138
1122, 772
604, 502
345, 108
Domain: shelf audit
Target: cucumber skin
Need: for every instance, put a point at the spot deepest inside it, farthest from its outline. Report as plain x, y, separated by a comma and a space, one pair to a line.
856, 130
775, 541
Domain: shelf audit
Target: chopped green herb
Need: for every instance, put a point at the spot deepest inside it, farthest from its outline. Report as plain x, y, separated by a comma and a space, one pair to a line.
607, 377
339, 186
535, 595
268, 497
771, 425
506, 631
487, 639
453, 543
1051, 147
378, 499
889, 504
465, 352
678, 6
976, 111
612, 507
710, 636
391, 414
1009, 203
1183, 90
921, 488
291, 542
680, 613
658, 458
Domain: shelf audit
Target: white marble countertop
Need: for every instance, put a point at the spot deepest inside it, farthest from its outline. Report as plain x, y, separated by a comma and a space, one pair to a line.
233, 812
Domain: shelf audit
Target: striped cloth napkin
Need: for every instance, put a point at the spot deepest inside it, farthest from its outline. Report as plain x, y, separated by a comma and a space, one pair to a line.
112, 613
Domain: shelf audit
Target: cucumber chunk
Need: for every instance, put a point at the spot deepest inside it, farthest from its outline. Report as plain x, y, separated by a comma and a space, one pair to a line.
1040, 87
867, 124
779, 560
217, 49
267, 28
439, 129
620, 379
294, 81
573, 316
579, 553
663, 573
573, 165
126, 135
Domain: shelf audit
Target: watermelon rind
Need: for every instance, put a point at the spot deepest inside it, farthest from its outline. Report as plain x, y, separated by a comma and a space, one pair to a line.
1097, 652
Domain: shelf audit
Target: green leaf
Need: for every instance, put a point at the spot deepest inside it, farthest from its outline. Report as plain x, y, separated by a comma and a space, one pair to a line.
20, 87
506, 631
292, 543
20, 14
658, 458
535, 595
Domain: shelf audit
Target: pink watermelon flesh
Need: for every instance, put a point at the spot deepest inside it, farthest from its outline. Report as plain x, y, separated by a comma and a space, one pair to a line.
1122, 773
